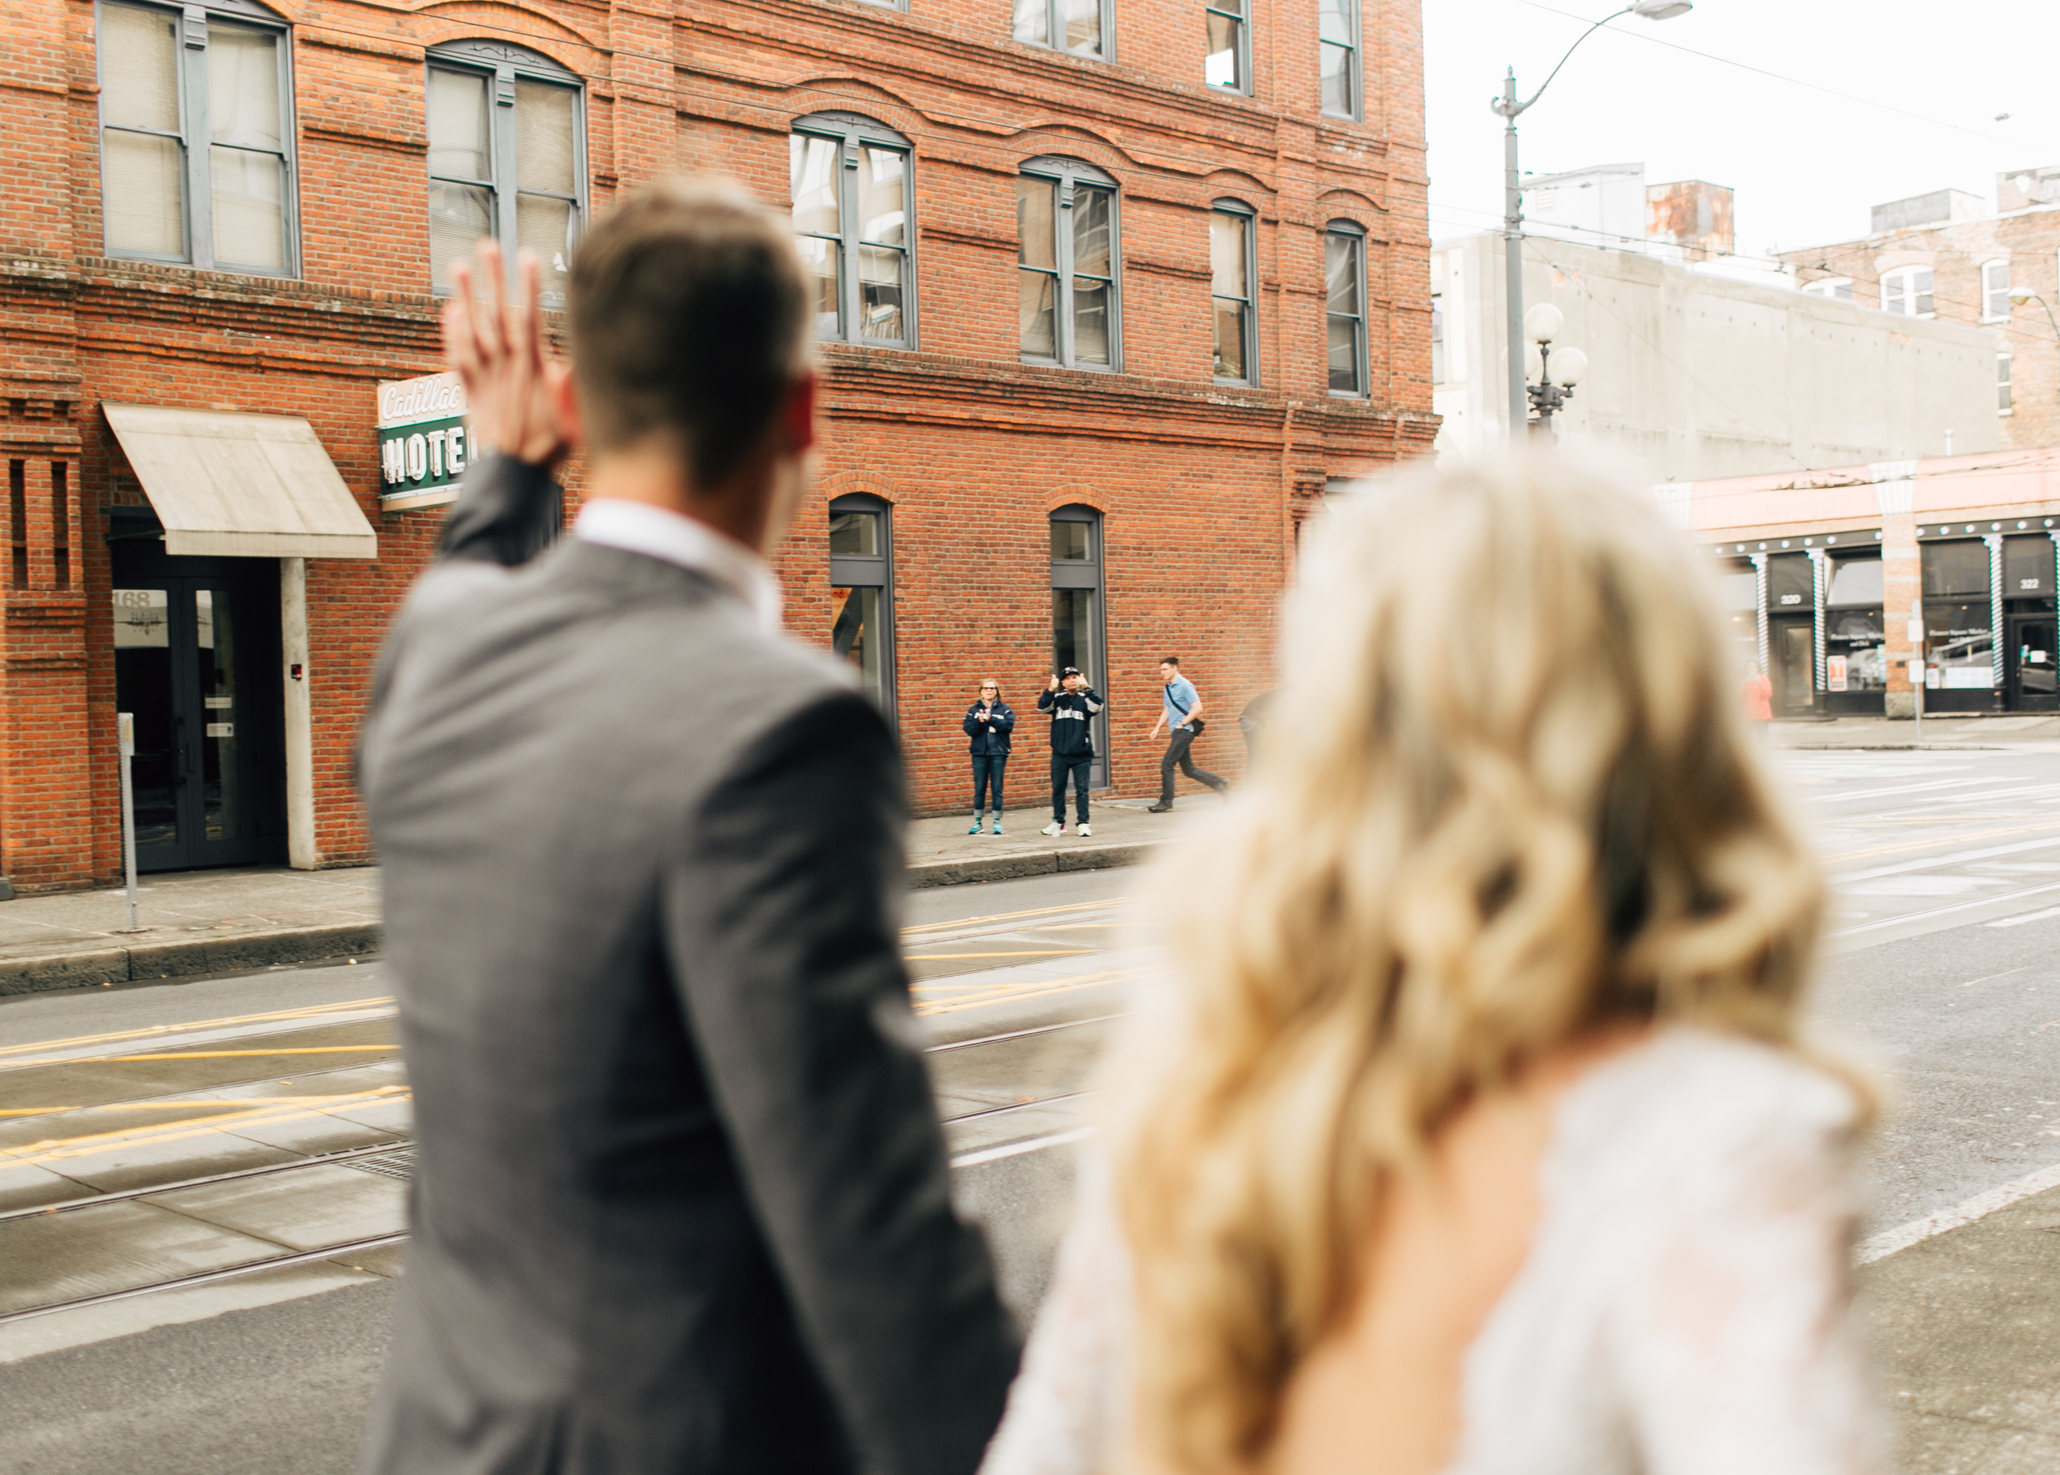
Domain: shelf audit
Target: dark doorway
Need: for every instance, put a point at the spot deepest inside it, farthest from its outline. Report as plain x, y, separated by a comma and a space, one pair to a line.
2029, 669
1792, 645
196, 660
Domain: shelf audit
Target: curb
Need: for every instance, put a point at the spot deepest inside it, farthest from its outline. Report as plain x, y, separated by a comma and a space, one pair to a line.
153, 962
157, 962
1028, 863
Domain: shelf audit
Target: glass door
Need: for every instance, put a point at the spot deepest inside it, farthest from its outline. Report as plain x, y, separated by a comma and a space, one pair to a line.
1793, 646
195, 663
2032, 683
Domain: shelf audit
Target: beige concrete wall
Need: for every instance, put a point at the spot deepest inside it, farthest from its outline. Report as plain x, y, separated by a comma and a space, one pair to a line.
1698, 376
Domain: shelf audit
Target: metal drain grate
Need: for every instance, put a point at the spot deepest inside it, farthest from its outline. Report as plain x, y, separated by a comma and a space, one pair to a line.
398, 1164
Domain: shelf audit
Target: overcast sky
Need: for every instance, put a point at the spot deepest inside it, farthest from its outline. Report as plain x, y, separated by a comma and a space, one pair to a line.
1806, 164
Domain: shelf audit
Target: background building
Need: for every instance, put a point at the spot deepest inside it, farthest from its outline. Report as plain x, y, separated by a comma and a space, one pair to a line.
1108, 292
1941, 257
1697, 373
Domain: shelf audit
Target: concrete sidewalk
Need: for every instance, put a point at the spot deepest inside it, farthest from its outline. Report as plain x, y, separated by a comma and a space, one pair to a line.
2010, 729
194, 923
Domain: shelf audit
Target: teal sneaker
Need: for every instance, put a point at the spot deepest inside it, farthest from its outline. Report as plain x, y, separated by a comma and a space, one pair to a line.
997, 824
976, 824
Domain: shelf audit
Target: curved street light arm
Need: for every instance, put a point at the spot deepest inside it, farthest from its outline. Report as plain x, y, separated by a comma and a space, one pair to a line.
1508, 107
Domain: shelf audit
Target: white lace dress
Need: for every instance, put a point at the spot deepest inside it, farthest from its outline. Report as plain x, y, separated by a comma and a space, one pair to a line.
1686, 1307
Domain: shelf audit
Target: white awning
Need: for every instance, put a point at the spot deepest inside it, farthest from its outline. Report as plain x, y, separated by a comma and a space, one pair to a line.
242, 486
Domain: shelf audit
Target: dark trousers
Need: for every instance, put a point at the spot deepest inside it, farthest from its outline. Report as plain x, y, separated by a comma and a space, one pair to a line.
1177, 756
988, 769
1078, 767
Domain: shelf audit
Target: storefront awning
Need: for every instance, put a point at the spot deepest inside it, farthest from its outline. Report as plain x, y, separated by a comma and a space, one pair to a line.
242, 486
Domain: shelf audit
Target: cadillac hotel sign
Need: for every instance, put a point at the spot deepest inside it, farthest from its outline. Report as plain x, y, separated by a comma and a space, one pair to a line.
424, 441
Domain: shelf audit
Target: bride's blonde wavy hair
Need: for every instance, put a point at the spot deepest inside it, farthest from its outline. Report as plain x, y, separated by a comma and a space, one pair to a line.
1505, 798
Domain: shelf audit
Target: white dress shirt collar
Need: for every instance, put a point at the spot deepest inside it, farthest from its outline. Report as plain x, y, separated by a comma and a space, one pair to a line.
659, 532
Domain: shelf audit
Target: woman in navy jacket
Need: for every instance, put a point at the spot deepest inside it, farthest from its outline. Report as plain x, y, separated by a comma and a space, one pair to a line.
988, 723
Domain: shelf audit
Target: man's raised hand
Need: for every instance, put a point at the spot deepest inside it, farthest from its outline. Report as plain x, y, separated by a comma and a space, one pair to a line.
517, 395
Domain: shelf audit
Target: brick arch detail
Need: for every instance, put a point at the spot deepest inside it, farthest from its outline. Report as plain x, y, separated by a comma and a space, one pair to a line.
1076, 495
534, 28
1071, 140
840, 92
844, 483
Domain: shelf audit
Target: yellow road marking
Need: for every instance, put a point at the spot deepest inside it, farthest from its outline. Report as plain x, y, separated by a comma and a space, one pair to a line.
225, 1054
156, 1030
1078, 906
58, 1149
172, 1105
1845, 855
1067, 952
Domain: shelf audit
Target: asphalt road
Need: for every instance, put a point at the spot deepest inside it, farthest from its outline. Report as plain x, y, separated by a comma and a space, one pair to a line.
1938, 972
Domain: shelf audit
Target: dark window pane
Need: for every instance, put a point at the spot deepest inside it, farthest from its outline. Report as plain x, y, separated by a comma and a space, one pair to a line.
459, 214
1036, 240
2027, 566
881, 217
1955, 568
1071, 542
1090, 321
1083, 21
1230, 339
143, 687
1037, 312
819, 270
1334, 65
880, 285
812, 181
1857, 581
1789, 582
855, 637
221, 791
854, 535
459, 141
1091, 212
1075, 640
1220, 66
1344, 355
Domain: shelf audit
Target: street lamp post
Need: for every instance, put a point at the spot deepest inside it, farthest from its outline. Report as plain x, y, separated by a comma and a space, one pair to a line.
1508, 107
1542, 323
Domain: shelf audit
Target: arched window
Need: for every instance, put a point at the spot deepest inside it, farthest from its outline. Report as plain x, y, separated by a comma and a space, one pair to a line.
853, 189
507, 158
1344, 287
1077, 627
1233, 272
862, 593
1068, 288
196, 136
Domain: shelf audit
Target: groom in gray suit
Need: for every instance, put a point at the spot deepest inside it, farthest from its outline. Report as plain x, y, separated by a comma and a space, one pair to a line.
681, 1202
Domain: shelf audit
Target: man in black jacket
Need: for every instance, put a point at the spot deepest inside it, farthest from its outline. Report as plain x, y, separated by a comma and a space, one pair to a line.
1072, 703
682, 1202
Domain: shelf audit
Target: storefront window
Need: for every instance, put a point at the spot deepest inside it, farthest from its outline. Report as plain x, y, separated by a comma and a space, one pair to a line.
1855, 655
1959, 636
1738, 590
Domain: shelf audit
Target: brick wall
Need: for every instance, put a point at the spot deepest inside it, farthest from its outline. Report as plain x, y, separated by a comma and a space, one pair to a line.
2029, 240
1200, 485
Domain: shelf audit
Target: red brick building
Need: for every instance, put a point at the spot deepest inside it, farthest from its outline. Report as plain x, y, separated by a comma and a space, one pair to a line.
1109, 290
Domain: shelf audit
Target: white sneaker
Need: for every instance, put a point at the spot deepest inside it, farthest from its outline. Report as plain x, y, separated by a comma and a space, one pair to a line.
1056, 827
1086, 830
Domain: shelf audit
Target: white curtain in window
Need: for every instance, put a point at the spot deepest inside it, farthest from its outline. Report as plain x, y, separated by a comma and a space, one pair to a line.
145, 183
543, 138
458, 138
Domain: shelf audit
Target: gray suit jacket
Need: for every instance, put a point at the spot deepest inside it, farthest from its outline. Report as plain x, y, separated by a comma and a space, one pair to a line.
681, 1201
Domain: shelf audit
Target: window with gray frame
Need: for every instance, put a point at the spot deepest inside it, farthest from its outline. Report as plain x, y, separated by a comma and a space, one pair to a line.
1344, 280
1232, 270
1076, 615
507, 158
2003, 402
1067, 290
196, 105
1228, 61
1079, 26
1337, 56
862, 593
854, 199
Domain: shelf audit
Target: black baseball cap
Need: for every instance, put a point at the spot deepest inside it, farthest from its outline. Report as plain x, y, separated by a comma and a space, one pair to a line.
1070, 671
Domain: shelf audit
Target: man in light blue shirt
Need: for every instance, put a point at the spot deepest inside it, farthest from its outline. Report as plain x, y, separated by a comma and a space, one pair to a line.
1180, 714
